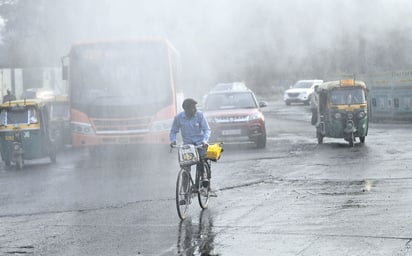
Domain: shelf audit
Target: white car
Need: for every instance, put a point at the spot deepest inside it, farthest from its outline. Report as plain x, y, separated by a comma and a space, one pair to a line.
301, 91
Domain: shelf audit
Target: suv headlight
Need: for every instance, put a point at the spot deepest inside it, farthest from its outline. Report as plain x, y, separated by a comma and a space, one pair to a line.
255, 116
211, 120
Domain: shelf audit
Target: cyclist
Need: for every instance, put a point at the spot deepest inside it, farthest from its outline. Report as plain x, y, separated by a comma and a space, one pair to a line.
194, 130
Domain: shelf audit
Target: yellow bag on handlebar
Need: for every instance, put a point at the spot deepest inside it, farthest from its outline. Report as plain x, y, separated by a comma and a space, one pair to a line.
213, 152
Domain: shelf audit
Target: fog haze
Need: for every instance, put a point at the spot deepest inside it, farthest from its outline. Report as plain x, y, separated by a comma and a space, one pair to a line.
263, 43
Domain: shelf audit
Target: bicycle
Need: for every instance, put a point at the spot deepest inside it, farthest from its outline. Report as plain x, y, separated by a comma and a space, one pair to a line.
187, 187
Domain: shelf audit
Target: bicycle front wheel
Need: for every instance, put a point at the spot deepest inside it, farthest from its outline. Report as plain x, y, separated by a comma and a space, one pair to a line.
204, 189
183, 193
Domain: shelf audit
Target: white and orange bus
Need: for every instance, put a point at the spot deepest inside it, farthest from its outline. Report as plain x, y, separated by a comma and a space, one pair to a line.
122, 91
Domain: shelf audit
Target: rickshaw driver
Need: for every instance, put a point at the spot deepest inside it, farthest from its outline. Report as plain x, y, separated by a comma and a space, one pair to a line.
195, 130
314, 106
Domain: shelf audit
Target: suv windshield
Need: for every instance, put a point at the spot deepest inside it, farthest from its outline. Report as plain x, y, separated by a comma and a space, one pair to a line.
221, 101
303, 85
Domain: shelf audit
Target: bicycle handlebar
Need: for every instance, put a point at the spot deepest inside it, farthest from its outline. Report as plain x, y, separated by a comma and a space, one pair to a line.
197, 146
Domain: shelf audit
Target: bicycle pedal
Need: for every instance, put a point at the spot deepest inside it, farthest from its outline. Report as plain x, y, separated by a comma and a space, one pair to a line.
205, 183
194, 190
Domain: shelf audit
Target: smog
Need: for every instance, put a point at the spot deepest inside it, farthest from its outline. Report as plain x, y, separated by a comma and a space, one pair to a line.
287, 196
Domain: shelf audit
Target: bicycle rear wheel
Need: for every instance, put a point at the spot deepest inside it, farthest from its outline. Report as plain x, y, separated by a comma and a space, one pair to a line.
183, 193
204, 191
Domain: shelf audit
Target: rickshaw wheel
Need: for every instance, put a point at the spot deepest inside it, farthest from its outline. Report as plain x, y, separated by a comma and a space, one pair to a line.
19, 162
319, 136
53, 157
53, 153
351, 140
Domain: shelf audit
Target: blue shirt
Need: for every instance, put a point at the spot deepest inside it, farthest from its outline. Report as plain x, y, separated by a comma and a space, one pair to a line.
194, 130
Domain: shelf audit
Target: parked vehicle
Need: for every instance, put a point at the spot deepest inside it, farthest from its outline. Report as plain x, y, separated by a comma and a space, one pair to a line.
235, 116
25, 132
300, 92
343, 111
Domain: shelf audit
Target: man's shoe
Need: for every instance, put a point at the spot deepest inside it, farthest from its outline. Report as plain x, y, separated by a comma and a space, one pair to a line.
212, 193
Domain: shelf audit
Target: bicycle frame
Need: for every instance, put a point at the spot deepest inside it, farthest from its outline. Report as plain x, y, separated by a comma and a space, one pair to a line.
187, 186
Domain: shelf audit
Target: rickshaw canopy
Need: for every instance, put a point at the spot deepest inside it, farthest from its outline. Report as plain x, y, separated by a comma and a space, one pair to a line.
346, 83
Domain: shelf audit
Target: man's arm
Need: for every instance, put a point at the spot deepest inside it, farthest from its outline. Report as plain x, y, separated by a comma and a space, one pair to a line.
205, 129
174, 130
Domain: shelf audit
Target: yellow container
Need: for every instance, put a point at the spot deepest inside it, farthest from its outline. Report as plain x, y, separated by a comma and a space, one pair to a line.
213, 152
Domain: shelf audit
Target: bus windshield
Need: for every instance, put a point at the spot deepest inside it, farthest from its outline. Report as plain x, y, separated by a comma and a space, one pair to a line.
120, 74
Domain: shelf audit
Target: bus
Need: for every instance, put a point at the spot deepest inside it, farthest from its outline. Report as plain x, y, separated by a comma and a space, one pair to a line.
122, 91
390, 96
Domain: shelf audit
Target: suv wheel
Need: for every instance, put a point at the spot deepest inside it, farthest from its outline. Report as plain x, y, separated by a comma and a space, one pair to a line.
261, 141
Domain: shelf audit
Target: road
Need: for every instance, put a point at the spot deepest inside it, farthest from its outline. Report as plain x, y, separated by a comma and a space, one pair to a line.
294, 197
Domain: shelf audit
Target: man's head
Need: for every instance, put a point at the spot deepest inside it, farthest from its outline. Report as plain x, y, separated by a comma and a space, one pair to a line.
8, 91
189, 106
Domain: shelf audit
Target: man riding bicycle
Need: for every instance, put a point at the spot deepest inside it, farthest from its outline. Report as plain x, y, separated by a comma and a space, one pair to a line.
194, 130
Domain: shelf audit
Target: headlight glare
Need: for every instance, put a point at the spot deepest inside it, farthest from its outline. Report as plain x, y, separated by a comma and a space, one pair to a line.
254, 116
338, 115
362, 114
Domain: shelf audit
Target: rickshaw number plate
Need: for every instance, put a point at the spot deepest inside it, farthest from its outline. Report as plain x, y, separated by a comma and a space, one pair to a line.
9, 137
231, 132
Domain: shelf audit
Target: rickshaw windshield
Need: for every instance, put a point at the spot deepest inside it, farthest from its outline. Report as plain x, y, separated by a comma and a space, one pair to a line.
347, 96
15, 116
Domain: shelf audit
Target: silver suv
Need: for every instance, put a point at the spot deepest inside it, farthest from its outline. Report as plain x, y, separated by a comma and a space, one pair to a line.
300, 92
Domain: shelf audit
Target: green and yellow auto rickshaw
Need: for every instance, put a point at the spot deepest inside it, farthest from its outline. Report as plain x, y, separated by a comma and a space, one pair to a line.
342, 111
25, 132
59, 124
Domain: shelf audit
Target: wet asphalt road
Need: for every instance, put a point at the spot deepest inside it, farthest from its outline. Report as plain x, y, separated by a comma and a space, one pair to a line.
293, 198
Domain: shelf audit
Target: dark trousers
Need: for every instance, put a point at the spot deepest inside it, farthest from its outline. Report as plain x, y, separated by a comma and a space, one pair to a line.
314, 119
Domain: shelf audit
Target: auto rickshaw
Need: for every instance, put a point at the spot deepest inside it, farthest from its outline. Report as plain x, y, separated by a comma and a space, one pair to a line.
25, 132
342, 111
59, 111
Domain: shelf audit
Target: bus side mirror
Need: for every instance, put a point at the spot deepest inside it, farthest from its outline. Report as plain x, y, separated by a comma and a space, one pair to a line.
65, 67
65, 71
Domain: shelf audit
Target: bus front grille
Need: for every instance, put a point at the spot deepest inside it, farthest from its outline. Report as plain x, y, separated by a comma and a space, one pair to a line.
121, 126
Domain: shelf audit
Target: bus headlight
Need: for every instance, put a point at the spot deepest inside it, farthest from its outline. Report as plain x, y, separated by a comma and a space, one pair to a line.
161, 126
83, 128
